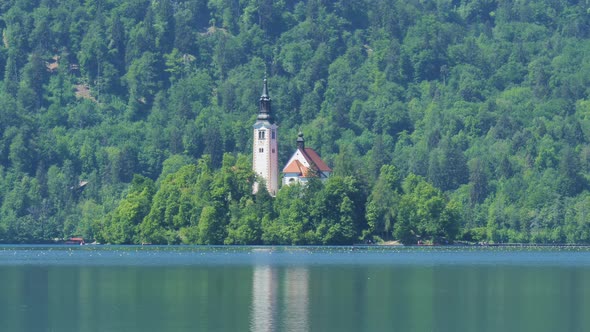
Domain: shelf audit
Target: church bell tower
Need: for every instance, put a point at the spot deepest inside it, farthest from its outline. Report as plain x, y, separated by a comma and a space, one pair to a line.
265, 153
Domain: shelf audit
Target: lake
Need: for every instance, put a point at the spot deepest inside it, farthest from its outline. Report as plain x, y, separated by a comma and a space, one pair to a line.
194, 288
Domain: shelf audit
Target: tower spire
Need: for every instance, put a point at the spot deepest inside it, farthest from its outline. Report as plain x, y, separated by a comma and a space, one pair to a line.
264, 111
300, 141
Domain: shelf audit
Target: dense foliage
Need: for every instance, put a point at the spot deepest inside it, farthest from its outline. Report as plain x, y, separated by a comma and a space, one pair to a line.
129, 121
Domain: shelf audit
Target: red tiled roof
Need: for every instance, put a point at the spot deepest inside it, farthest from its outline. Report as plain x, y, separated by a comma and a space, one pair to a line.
294, 167
297, 167
315, 159
316, 165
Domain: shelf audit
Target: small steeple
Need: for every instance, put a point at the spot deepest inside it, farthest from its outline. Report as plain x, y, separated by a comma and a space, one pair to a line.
264, 111
300, 141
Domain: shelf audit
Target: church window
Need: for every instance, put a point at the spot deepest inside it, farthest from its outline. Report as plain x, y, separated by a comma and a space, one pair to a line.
261, 134
261, 150
273, 150
273, 134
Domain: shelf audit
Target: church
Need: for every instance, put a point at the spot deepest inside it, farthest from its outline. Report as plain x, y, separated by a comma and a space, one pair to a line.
304, 164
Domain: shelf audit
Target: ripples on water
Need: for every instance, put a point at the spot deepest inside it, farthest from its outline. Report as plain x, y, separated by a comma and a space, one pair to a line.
244, 288
286, 255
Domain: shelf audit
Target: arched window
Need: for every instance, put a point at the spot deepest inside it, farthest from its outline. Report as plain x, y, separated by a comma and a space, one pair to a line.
261, 134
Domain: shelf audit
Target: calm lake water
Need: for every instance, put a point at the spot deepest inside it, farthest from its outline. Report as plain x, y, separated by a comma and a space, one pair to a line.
111, 288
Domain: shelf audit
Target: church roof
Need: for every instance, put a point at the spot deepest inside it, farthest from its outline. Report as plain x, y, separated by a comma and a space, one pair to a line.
295, 167
311, 158
315, 159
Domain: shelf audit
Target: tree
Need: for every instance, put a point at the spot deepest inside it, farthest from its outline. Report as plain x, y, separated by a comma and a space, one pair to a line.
174, 205
424, 214
11, 74
142, 81
447, 166
93, 52
21, 154
244, 226
34, 76
121, 226
425, 46
211, 230
478, 180
572, 182
338, 211
383, 202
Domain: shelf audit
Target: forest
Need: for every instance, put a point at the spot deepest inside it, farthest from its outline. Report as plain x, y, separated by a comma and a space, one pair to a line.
130, 121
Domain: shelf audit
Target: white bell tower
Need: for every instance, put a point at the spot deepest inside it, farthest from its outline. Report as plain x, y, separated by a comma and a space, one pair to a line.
265, 153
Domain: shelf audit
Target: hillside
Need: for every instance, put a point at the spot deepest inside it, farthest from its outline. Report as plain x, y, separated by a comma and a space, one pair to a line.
129, 121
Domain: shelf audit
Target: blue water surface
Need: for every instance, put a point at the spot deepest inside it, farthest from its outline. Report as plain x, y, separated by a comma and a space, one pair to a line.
97, 288
89, 255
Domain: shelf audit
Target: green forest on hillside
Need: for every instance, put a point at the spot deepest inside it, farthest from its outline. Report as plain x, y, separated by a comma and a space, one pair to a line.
129, 121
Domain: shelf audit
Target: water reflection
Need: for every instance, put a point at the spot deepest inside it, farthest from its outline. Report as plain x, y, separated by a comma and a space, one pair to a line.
287, 290
296, 299
279, 308
264, 287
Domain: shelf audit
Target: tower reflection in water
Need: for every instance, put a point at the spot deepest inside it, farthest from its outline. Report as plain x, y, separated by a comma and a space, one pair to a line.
280, 302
